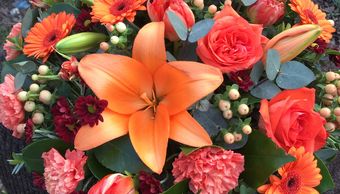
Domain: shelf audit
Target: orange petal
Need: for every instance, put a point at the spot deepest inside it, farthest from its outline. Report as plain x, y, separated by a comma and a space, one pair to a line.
180, 84
149, 136
149, 46
114, 126
186, 130
118, 79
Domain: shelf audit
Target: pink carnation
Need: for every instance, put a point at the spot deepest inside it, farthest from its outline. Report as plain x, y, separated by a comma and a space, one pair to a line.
9, 47
12, 112
210, 170
63, 175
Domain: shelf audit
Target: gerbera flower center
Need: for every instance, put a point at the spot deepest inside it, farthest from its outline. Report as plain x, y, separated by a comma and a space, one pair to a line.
119, 7
311, 16
291, 184
51, 38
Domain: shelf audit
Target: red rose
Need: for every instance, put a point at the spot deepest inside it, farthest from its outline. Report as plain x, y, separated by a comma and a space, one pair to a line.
232, 44
289, 120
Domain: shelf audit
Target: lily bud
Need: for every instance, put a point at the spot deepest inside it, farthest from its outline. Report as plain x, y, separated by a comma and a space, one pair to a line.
157, 12
266, 12
80, 42
290, 43
114, 183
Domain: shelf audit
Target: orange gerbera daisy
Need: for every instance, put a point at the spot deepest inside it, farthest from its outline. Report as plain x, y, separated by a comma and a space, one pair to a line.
310, 13
42, 38
298, 177
114, 11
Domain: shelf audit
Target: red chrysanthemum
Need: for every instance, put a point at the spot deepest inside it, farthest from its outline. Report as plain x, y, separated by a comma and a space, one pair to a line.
83, 21
38, 181
149, 184
89, 109
242, 79
29, 130
69, 69
61, 107
319, 46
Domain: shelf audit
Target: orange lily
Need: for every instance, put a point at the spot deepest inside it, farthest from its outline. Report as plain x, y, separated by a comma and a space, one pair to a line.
148, 97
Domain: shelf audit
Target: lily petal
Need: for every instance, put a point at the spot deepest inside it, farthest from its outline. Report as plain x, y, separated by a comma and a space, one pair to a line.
149, 136
114, 126
118, 79
181, 83
186, 130
149, 46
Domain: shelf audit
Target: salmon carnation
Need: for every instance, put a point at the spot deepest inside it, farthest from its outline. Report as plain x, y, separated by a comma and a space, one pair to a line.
114, 11
62, 175
12, 112
9, 47
210, 170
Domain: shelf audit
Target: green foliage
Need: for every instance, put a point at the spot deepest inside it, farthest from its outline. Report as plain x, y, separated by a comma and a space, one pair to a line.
326, 181
97, 169
179, 188
60, 7
29, 20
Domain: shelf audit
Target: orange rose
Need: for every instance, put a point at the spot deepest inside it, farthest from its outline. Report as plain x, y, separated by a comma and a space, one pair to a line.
289, 120
232, 44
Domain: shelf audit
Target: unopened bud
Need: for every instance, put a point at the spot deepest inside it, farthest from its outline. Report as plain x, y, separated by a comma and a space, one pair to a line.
238, 136
114, 40
29, 106
330, 76
234, 94
212, 9
228, 114
331, 89
243, 109
34, 88
120, 27
325, 112
229, 138
247, 129
43, 69
22, 96
45, 97
224, 105
38, 118
199, 3
330, 127
337, 111
104, 46
35, 77
328, 99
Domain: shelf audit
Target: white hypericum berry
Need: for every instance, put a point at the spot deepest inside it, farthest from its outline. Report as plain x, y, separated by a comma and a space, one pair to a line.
234, 94
45, 97
199, 3
110, 27
22, 96
120, 27
21, 128
327, 99
243, 109
35, 77
212, 9
330, 76
34, 88
238, 136
247, 129
228, 114
114, 40
229, 138
29, 106
331, 89
43, 69
224, 105
104, 46
325, 112
337, 111
330, 127
331, 22
38, 118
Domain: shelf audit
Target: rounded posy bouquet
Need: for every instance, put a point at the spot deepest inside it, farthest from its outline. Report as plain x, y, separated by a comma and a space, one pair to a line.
173, 96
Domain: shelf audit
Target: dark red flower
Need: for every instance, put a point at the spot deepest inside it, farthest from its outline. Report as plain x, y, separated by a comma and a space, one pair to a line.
78, 192
242, 79
65, 124
69, 69
89, 109
319, 46
29, 130
149, 184
335, 58
83, 22
38, 181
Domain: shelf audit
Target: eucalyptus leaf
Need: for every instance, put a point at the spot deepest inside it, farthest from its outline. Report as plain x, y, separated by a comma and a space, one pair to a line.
200, 29
118, 155
327, 182
19, 80
272, 64
25, 66
257, 72
248, 2
267, 89
262, 158
293, 75
170, 57
64, 7
179, 188
28, 21
326, 155
178, 25
32, 153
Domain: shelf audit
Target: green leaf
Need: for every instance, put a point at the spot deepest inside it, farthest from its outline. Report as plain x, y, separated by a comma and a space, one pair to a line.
267, 89
272, 64
326, 155
179, 26
256, 72
32, 153
28, 21
179, 188
60, 7
119, 155
188, 150
98, 170
326, 181
248, 2
294, 75
246, 190
262, 158
200, 29
7, 69
19, 80
25, 66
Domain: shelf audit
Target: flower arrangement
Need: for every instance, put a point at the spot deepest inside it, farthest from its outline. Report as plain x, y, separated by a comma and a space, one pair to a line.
173, 96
